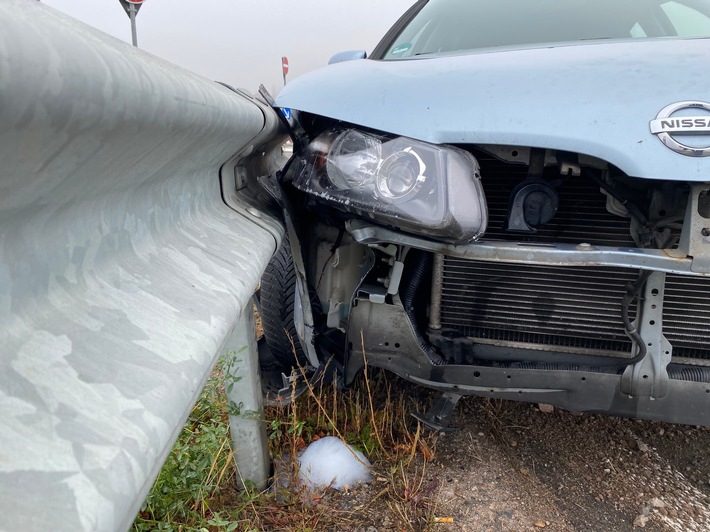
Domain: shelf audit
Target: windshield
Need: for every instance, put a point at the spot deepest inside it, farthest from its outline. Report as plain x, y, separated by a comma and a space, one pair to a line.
442, 26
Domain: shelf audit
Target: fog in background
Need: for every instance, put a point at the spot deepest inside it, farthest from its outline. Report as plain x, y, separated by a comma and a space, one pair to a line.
241, 42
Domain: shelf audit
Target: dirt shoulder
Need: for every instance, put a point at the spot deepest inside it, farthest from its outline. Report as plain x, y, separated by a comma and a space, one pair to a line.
515, 467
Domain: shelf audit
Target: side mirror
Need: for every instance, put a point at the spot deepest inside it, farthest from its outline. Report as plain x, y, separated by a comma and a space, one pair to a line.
350, 55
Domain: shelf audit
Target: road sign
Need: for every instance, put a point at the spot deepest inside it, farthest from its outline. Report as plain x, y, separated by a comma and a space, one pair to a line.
284, 64
127, 5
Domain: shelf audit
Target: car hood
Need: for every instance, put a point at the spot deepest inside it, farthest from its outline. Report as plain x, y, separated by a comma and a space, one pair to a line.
596, 99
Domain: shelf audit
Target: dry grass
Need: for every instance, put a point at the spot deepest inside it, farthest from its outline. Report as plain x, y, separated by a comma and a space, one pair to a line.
373, 417
197, 489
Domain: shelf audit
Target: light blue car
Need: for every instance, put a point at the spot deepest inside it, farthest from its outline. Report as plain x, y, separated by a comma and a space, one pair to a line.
508, 199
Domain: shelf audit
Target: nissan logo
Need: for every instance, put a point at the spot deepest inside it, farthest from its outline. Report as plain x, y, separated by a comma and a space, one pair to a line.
668, 127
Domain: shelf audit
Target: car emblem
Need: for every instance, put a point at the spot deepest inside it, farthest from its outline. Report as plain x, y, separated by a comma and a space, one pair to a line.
668, 126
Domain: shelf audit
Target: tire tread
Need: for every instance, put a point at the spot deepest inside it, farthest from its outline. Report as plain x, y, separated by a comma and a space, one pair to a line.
278, 289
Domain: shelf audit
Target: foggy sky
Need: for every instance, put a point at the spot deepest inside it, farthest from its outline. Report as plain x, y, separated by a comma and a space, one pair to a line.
241, 42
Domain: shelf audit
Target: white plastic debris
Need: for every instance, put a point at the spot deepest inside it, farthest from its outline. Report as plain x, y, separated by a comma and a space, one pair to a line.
331, 462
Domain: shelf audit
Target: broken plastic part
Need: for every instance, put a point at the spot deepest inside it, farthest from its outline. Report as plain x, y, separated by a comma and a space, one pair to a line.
395, 277
439, 416
377, 298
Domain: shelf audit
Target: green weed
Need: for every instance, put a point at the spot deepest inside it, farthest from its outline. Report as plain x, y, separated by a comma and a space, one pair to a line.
196, 469
196, 490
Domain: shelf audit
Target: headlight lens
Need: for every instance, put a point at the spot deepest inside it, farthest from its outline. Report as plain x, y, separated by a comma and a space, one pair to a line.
400, 175
352, 160
415, 186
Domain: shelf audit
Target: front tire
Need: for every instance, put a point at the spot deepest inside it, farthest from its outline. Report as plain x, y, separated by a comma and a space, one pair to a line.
278, 295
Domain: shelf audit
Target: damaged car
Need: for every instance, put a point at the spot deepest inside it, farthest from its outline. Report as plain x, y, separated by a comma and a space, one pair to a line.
508, 199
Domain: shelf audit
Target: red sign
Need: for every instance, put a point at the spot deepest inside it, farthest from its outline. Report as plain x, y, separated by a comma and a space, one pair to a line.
284, 65
134, 1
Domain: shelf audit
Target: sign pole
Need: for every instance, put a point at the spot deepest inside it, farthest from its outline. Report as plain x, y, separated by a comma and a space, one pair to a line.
132, 14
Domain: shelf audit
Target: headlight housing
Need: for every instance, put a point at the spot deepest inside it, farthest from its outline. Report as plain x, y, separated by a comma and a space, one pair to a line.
412, 185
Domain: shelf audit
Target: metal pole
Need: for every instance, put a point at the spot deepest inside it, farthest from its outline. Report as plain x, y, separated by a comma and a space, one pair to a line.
284, 73
132, 14
242, 383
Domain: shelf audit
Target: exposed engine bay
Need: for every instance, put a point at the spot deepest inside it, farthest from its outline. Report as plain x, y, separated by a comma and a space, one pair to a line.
575, 284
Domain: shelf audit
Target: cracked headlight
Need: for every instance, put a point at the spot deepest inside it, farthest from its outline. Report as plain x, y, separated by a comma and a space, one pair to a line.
415, 186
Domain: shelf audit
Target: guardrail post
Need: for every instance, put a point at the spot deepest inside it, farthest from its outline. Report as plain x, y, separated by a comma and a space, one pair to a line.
246, 403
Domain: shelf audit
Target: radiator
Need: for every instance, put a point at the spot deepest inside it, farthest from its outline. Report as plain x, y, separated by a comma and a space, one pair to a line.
562, 309
565, 309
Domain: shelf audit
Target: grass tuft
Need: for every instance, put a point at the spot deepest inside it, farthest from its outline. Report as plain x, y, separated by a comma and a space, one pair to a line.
196, 490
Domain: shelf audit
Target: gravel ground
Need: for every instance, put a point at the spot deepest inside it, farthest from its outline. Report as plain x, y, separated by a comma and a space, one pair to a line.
517, 466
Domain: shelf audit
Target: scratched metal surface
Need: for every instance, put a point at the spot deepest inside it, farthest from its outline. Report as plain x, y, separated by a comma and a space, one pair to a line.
122, 273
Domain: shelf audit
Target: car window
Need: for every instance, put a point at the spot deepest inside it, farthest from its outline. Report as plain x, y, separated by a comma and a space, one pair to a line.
443, 26
686, 20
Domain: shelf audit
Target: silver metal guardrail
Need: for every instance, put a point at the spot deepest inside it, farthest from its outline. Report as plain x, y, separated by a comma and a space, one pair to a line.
122, 271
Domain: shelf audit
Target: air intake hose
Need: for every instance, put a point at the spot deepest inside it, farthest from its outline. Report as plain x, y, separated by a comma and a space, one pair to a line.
420, 266
632, 292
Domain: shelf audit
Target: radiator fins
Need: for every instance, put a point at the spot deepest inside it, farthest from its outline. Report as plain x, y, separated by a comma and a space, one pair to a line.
562, 309
565, 309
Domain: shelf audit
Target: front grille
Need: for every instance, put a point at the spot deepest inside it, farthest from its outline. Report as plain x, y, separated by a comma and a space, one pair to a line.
581, 217
565, 309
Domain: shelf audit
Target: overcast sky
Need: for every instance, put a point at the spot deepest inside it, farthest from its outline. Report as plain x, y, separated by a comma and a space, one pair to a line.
241, 42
